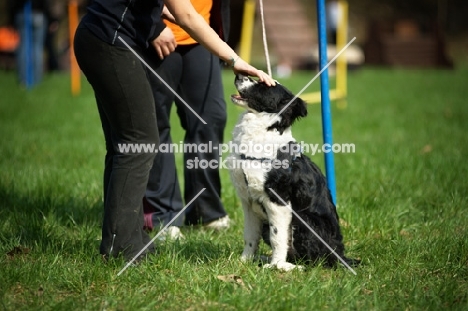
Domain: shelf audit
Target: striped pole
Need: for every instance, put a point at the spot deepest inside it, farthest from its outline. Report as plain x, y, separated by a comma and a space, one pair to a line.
28, 44
325, 97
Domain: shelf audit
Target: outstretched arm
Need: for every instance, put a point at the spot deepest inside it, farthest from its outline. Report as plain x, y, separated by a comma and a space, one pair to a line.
194, 24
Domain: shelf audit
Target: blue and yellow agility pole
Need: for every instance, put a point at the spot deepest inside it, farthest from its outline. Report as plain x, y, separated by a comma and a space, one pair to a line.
340, 92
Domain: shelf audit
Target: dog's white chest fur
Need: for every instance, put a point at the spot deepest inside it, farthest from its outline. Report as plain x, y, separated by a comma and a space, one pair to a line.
254, 146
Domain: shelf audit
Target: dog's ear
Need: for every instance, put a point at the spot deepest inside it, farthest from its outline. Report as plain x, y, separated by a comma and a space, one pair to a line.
295, 110
300, 108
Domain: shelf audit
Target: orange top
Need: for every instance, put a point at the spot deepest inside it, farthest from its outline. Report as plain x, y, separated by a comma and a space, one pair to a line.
203, 7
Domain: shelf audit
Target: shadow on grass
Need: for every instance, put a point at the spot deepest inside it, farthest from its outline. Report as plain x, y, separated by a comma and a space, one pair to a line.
44, 222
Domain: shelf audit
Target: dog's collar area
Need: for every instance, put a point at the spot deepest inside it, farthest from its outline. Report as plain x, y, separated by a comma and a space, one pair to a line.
244, 157
297, 155
247, 158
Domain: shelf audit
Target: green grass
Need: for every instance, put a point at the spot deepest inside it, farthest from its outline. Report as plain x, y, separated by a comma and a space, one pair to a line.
402, 198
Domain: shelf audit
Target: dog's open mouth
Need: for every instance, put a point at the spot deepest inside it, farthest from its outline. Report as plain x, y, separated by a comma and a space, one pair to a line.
238, 100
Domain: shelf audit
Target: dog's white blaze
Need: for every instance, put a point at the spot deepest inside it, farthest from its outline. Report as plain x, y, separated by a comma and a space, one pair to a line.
245, 84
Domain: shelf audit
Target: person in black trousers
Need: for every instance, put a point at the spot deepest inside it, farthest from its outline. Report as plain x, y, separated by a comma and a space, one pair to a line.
195, 74
126, 105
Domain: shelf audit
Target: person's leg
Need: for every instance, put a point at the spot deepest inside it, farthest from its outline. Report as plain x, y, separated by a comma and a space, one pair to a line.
202, 88
127, 112
163, 199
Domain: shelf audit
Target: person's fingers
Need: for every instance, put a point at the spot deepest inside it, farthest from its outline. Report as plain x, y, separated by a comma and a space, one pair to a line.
172, 46
240, 66
167, 49
265, 78
158, 51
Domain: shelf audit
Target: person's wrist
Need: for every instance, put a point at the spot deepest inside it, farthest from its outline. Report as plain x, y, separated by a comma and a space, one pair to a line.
233, 60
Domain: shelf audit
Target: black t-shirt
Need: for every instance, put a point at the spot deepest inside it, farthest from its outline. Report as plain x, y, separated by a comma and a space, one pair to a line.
137, 22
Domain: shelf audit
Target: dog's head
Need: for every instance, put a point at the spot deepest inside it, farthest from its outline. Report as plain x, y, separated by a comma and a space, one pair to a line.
258, 97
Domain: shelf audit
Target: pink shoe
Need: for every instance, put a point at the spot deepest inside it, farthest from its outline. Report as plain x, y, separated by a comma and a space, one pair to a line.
148, 211
148, 224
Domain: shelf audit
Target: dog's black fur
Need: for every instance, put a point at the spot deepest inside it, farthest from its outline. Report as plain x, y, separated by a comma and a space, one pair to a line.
301, 185
304, 185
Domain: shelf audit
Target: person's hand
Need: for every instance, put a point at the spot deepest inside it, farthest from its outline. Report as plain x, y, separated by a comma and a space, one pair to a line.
241, 66
165, 43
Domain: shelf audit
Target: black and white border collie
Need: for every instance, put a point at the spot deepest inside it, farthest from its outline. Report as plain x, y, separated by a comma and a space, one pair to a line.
273, 161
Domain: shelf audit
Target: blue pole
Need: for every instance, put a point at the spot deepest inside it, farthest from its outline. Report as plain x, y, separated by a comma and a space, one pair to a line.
28, 44
325, 97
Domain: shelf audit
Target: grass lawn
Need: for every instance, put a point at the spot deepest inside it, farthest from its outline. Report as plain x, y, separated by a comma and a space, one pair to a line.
402, 197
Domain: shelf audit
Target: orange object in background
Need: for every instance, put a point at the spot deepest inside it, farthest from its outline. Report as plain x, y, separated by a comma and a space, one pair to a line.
9, 39
75, 73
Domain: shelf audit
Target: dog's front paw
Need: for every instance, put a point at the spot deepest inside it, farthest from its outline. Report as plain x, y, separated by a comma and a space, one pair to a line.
283, 266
